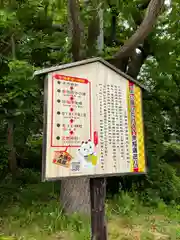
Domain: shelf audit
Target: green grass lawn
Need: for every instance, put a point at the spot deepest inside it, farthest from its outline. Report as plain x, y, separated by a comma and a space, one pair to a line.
33, 212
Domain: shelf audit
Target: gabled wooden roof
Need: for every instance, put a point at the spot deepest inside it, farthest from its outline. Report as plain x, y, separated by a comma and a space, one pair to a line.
84, 62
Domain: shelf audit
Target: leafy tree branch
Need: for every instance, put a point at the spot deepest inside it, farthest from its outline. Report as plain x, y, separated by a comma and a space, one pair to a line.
153, 10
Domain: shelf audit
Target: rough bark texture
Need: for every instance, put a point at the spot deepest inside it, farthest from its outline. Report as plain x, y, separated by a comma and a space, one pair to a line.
137, 60
93, 33
10, 138
75, 195
12, 152
100, 38
76, 28
98, 196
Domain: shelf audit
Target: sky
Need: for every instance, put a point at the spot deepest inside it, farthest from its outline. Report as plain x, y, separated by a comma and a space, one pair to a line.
167, 2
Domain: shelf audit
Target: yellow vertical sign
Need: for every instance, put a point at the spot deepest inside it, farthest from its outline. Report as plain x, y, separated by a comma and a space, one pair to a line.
139, 129
136, 131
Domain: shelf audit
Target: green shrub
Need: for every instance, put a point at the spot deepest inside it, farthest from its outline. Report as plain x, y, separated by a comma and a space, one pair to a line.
163, 183
172, 152
28, 176
125, 203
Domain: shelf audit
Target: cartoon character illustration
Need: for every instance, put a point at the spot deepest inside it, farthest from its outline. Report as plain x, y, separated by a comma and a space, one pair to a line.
87, 152
87, 148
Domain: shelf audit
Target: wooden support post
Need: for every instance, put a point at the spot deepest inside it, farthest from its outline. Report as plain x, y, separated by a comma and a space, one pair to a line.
98, 195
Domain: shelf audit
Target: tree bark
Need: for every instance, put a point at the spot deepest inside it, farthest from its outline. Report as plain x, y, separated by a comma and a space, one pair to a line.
137, 60
12, 152
98, 196
76, 29
100, 39
75, 195
10, 138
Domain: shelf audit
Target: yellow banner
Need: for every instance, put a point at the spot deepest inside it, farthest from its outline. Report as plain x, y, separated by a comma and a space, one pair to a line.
136, 130
139, 129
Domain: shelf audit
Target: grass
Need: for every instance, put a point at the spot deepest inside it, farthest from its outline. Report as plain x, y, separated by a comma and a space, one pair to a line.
33, 212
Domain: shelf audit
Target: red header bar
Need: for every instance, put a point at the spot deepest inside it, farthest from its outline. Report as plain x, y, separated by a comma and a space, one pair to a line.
69, 78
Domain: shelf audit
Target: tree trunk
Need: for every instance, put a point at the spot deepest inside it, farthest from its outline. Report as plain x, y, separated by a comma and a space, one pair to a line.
76, 29
75, 192
12, 152
75, 195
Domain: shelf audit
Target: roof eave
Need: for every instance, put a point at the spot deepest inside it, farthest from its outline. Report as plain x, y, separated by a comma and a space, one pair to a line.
87, 61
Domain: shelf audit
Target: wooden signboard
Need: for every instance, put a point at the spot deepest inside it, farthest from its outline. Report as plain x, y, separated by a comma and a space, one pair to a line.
93, 122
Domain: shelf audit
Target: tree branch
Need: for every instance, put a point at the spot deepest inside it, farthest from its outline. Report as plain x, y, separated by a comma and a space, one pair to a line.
93, 32
75, 27
13, 47
153, 10
138, 58
135, 64
114, 15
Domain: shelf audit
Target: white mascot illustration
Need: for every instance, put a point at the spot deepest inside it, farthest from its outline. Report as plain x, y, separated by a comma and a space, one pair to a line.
86, 155
86, 149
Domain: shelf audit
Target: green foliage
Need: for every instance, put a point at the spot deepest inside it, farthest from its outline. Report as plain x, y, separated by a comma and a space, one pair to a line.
8, 20
4, 153
28, 176
161, 183
172, 152
6, 238
18, 85
34, 209
125, 204
164, 178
